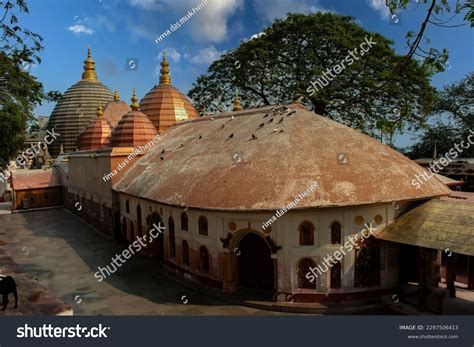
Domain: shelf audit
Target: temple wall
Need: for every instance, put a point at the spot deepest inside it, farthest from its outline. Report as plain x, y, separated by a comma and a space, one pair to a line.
284, 232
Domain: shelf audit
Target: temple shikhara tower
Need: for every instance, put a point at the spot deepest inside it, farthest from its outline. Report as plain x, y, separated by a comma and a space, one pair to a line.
77, 108
164, 104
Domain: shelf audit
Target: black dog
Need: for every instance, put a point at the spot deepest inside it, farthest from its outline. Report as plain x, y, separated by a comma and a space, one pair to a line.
7, 286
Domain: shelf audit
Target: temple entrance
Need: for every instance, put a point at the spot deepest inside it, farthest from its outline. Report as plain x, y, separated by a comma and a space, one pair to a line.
155, 218
255, 263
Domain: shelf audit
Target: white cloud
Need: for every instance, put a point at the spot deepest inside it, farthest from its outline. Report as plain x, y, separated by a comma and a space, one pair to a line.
206, 55
269, 10
79, 29
379, 6
172, 54
210, 23
255, 36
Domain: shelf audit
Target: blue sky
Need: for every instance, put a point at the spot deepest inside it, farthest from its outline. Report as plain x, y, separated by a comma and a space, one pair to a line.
119, 30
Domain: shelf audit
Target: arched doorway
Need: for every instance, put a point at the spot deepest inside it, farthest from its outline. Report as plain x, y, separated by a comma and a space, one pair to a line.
139, 220
155, 218
255, 263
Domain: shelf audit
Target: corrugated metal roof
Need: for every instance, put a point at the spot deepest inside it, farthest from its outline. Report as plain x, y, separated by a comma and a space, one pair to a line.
261, 159
436, 224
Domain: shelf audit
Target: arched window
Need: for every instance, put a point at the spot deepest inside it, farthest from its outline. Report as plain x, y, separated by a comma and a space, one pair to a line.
336, 233
367, 264
132, 231
202, 225
204, 255
139, 220
306, 233
184, 221
303, 268
172, 239
336, 275
185, 250
127, 206
124, 228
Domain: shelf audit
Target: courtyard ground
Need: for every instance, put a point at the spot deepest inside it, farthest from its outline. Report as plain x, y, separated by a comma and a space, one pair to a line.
63, 252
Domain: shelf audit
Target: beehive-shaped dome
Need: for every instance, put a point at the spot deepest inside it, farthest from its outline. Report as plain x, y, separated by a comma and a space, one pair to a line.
77, 108
263, 149
164, 104
115, 110
134, 129
97, 134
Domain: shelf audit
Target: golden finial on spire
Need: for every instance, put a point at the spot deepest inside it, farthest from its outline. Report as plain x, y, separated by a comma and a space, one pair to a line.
237, 106
116, 96
89, 69
135, 104
99, 109
61, 149
165, 71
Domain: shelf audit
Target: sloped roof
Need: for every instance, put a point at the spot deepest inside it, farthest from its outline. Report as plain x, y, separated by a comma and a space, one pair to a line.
216, 163
449, 181
35, 179
436, 224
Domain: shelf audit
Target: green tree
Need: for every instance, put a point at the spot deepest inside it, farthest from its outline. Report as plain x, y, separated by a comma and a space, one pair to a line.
20, 92
457, 102
439, 13
456, 107
280, 64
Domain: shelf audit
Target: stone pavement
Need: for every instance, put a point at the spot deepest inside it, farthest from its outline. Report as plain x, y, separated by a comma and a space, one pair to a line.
63, 252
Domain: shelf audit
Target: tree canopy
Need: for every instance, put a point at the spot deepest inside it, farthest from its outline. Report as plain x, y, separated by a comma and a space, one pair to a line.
279, 65
456, 105
20, 92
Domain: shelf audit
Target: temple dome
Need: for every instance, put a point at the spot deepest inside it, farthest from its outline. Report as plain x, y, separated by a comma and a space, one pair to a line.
134, 129
77, 108
261, 159
115, 110
97, 134
164, 104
